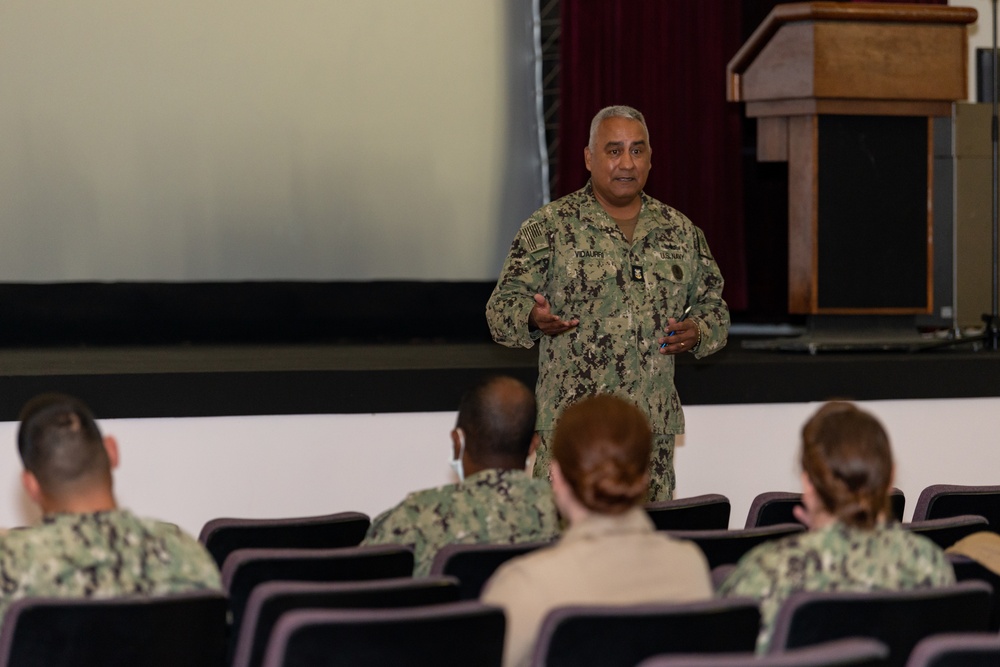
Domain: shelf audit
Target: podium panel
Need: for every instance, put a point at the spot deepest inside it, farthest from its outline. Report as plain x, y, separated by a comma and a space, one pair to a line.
873, 220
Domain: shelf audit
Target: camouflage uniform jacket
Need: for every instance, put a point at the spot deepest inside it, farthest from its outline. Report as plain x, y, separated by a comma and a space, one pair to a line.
491, 506
573, 253
836, 558
101, 555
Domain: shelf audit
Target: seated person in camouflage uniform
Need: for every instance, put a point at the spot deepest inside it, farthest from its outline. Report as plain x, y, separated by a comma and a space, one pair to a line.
852, 544
86, 546
495, 500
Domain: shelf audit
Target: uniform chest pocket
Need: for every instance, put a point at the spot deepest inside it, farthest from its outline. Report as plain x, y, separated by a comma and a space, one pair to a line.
670, 285
677, 271
587, 278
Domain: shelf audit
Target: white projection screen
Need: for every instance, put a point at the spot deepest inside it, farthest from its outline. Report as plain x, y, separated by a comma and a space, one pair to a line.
233, 140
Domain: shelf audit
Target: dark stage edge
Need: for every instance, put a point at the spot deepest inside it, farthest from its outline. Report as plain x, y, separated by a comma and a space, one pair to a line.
203, 381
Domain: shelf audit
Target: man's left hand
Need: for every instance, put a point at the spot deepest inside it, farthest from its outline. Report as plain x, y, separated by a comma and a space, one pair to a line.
684, 336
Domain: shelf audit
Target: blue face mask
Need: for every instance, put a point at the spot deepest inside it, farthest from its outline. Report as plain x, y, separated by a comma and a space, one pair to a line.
456, 464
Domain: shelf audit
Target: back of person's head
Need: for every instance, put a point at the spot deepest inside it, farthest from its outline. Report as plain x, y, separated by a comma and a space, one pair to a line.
602, 445
497, 416
61, 445
846, 455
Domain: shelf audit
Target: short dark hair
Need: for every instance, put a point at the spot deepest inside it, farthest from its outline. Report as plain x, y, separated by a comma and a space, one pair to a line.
603, 445
60, 443
847, 457
497, 415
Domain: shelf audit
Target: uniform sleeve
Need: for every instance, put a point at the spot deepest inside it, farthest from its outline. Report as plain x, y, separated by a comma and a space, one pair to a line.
194, 567
11, 575
946, 573
391, 527
754, 578
402, 526
709, 310
943, 574
749, 579
524, 274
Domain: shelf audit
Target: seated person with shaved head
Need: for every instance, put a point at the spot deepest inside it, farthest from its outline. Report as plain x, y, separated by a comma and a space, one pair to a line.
86, 546
495, 499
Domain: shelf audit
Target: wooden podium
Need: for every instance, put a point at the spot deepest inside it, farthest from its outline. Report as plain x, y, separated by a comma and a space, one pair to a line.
845, 93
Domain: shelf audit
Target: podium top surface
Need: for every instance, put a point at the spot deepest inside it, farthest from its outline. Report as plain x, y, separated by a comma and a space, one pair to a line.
846, 12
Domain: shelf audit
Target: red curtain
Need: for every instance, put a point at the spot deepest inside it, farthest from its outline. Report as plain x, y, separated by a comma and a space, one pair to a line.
667, 59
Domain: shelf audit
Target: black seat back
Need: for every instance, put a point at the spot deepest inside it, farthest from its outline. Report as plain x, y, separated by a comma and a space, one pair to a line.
728, 546
456, 634
474, 564
270, 600
900, 619
246, 568
622, 636
706, 512
343, 529
183, 629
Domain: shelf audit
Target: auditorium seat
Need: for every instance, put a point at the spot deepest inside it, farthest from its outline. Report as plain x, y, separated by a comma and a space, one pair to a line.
181, 629
900, 619
728, 546
957, 649
944, 500
456, 634
946, 531
270, 600
623, 635
246, 568
704, 512
967, 569
224, 535
854, 652
774, 507
474, 564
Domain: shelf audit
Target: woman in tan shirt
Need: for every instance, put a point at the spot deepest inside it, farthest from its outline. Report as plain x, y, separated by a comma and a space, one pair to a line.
611, 553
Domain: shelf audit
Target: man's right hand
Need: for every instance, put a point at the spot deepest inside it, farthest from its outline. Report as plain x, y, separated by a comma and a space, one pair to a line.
542, 318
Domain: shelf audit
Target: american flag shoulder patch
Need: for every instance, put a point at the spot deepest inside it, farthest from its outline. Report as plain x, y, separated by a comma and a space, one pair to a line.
533, 237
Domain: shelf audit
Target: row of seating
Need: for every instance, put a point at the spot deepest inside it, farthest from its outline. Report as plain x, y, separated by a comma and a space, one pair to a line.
323, 550
469, 566
944, 650
704, 512
711, 511
472, 565
420, 622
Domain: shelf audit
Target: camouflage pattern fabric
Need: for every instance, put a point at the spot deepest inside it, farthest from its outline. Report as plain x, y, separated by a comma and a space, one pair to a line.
491, 506
836, 558
101, 555
662, 481
573, 253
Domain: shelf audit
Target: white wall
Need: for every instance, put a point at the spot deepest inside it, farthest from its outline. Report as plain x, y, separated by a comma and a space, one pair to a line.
192, 470
741, 450
980, 35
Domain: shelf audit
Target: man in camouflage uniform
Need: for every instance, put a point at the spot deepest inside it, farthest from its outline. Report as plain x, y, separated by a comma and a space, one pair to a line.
495, 500
601, 278
86, 546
